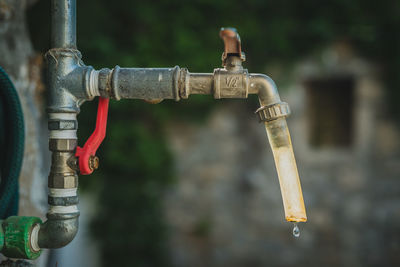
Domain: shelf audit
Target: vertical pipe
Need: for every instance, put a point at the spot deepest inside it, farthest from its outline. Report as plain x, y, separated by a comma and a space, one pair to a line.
63, 24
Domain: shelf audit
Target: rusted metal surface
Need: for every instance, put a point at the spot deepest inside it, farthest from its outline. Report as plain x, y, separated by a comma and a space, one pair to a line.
232, 44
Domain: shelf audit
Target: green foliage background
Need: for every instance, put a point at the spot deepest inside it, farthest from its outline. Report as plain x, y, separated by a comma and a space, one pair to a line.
136, 166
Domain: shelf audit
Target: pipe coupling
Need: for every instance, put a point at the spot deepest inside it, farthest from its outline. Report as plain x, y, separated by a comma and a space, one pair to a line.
228, 84
273, 112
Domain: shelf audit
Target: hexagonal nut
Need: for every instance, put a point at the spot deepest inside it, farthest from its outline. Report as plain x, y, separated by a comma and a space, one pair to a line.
61, 181
62, 144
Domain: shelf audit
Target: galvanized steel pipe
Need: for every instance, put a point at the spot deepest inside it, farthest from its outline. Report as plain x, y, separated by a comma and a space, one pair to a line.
63, 23
66, 77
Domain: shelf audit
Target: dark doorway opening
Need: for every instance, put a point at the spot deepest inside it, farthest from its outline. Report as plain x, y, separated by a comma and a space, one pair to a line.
330, 102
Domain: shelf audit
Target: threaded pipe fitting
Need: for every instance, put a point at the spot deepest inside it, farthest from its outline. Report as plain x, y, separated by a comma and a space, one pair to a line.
273, 112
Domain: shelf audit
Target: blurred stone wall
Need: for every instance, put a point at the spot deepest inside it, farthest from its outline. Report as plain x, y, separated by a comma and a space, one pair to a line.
24, 67
226, 208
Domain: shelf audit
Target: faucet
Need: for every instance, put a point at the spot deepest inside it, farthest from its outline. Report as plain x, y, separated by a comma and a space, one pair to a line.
71, 83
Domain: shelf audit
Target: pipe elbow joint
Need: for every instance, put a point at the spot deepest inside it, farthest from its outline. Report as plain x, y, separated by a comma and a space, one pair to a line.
271, 106
58, 232
265, 88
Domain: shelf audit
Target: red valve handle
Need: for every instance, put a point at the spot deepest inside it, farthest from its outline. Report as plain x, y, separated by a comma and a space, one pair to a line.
87, 154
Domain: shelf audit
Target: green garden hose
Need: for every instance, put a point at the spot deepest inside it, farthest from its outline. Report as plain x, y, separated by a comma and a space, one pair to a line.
11, 145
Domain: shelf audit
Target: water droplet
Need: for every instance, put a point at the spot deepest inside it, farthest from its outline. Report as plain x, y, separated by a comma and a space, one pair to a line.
296, 230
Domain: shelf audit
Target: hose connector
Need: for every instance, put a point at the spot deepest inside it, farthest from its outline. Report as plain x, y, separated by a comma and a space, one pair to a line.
273, 112
20, 235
